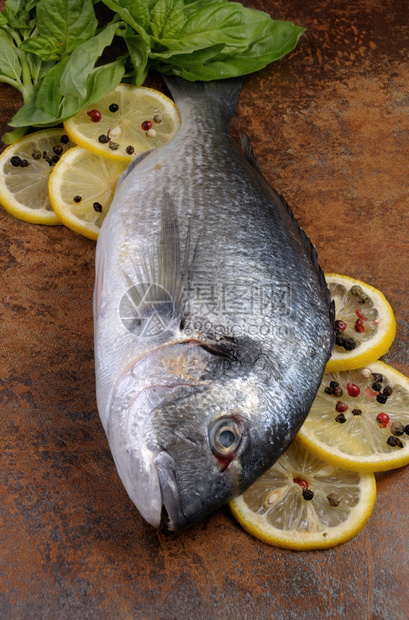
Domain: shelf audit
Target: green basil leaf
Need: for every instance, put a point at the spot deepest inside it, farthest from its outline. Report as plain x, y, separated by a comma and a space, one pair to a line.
252, 40
46, 47
139, 53
102, 81
49, 93
82, 61
9, 59
135, 13
190, 6
69, 22
31, 116
167, 18
38, 68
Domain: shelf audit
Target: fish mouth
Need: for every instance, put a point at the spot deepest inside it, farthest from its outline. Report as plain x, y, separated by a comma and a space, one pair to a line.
172, 516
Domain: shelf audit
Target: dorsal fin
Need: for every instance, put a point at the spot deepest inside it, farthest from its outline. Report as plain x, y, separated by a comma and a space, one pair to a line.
248, 152
312, 253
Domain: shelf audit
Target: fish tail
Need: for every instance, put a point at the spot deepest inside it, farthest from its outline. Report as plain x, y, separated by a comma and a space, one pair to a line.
226, 92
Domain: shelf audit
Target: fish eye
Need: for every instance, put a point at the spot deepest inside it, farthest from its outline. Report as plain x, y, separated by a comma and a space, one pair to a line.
225, 437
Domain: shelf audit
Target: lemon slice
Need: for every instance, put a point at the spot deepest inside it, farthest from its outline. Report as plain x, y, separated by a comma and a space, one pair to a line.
129, 120
304, 503
365, 323
363, 423
81, 188
24, 185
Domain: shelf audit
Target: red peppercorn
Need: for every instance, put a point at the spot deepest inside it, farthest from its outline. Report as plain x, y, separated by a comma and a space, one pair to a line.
340, 325
359, 327
146, 125
353, 389
302, 483
382, 419
361, 315
340, 406
95, 115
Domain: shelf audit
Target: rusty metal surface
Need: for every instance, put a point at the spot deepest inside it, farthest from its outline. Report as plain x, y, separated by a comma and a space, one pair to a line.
330, 127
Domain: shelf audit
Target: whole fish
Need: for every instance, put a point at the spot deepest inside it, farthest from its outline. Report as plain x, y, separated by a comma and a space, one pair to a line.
213, 322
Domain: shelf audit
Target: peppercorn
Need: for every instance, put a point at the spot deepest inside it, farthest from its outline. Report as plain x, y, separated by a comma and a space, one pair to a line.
151, 133
114, 107
349, 344
94, 115
64, 139
103, 139
377, 377
340, 325
407, 429
58, 149
15, 161
77, 198
130, 149
328, 390
356, 411
301, 482
333, 384
340, 418
337, 391
114, 146
366, 373
357, 291
387, 390
340, 340
381, 398
146, 125
307, 494
157, 118
353, 389
36, 154
382, 420
340, 406
376, 386
97, 207
24, 163
359, 327
55, 158
394, 442
334, 499
397, 429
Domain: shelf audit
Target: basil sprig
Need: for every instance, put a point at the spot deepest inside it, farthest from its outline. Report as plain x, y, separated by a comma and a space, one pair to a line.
51, 50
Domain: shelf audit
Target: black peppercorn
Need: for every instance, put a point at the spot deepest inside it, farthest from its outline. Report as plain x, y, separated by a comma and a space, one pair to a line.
15, 161
394, 442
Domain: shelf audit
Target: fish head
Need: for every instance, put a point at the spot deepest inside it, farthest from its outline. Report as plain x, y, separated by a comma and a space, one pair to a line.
191, 427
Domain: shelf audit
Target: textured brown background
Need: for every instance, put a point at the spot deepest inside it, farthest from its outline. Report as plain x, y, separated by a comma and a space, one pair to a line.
330, 127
